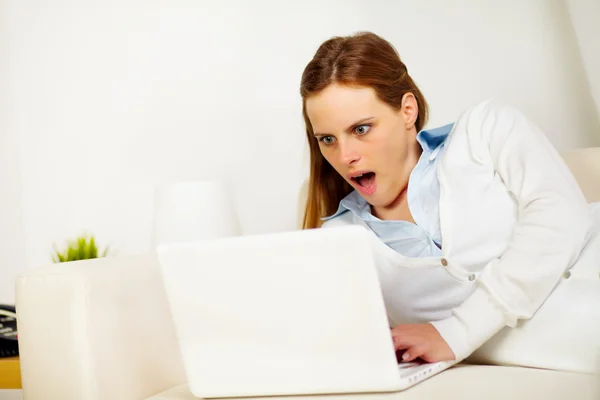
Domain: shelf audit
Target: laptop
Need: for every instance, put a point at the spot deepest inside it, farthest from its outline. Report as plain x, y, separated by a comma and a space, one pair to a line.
291, 313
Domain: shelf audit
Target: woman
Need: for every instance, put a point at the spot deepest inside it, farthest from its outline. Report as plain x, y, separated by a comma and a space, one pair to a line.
474, 223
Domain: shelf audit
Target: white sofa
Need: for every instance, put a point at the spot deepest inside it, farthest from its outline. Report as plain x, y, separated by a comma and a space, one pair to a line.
101, 330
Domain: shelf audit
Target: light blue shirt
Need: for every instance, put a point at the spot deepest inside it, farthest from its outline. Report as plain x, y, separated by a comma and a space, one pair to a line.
423, 239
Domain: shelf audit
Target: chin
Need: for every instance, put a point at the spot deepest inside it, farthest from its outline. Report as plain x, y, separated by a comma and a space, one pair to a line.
385, 200
378, 200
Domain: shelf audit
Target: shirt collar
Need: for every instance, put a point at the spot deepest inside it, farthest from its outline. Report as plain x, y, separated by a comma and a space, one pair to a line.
429, 140
352, 202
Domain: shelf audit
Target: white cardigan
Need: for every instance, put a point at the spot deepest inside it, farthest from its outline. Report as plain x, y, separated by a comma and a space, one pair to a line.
513, 220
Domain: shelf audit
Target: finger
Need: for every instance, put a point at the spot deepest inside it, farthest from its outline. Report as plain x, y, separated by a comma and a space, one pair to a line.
399, 356
397, 342
414, 352
403, 342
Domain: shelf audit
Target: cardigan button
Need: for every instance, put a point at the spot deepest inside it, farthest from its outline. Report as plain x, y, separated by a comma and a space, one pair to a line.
567, 274
444, 262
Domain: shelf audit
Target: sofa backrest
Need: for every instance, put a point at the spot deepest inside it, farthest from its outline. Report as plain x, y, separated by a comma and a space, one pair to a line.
585, 166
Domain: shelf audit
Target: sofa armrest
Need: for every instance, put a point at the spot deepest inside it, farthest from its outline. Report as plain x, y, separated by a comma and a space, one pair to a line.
96, 329
584, 164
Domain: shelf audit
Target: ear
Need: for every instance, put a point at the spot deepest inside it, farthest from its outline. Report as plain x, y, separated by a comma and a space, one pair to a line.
409, 109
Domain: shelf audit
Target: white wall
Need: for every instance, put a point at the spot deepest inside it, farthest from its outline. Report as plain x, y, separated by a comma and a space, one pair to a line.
110, 98
12, 240
585, 19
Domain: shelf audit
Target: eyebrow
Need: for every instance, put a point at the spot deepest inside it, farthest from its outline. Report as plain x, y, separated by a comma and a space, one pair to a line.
354, 125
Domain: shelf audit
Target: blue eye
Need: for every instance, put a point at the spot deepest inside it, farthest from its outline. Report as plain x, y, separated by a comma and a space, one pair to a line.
327, 139
362, 129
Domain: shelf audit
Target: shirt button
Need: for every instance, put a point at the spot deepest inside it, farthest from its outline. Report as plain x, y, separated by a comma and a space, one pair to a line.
567, 275
472, 277
444, 262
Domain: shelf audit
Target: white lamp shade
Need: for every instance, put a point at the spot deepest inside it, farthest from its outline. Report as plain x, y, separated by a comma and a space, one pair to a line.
191, 211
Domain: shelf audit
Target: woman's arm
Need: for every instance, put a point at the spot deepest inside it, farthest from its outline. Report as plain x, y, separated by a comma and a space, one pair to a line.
552, 228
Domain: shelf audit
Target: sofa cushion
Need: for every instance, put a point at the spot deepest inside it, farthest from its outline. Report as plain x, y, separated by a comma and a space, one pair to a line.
469, 382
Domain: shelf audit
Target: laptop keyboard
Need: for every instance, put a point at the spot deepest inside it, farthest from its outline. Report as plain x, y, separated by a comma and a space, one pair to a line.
416, 371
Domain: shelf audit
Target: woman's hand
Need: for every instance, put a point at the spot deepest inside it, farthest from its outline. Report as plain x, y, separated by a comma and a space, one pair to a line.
421, 340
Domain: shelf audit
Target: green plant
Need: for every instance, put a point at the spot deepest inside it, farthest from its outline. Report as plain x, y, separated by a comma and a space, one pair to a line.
82, 248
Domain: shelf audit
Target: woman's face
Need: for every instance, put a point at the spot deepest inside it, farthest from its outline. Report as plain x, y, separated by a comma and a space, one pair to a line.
366, 141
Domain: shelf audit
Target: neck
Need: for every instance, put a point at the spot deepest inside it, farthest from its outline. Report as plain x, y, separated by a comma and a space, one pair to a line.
398, 209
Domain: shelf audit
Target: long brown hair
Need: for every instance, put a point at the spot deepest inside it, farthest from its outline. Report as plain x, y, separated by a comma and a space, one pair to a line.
363, 59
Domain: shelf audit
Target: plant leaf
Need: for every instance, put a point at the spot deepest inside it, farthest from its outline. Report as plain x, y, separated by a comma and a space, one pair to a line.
81, 248
81, 245
93, 250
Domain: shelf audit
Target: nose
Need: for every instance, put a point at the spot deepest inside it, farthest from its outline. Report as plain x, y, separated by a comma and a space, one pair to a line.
348, 154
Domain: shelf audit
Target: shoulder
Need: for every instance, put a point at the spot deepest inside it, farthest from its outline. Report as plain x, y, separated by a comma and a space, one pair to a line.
347, 219
488, 113
344, 218
486, 124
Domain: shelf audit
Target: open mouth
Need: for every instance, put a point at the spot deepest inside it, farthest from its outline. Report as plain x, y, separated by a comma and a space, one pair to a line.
365, 182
